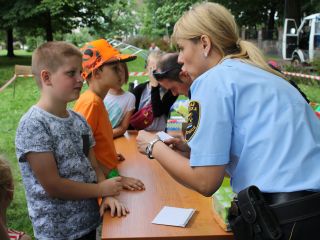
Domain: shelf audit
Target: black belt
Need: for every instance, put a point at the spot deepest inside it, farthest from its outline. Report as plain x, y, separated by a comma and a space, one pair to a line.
278, 198
294, 206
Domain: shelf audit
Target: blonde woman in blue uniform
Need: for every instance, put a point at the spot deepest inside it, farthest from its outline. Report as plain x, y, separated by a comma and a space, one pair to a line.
244, 120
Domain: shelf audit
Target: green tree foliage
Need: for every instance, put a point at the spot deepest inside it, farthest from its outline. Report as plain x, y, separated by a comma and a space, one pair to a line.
157, 14
122, 19
54, 16
46, 17
167, 18
159, 17
79, 37
149, 18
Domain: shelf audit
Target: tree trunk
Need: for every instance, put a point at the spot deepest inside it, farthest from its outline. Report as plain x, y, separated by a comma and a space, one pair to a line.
292, 9
48, 27
10, 52
270, 27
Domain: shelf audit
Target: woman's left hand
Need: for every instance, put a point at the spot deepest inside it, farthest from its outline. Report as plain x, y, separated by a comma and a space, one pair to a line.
153, 81
143, 139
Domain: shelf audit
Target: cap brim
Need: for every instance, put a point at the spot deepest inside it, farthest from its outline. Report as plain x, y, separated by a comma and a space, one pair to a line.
122, 58
127, 57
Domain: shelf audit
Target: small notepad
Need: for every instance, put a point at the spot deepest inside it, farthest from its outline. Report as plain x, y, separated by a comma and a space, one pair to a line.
174, 216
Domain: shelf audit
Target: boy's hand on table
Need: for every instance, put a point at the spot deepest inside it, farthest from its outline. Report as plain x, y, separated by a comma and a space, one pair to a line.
110, 187
132, 184
116, 208
120, 157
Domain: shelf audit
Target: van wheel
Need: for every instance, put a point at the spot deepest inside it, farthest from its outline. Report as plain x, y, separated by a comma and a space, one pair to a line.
296, 62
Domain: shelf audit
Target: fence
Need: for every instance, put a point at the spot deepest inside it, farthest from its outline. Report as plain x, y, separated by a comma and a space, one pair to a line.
124, 46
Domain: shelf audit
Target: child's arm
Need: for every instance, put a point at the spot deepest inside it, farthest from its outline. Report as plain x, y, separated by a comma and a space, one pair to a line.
95, 165
45, 169
122, 128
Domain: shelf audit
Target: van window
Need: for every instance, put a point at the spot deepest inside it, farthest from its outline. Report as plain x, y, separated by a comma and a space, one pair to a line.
317, 27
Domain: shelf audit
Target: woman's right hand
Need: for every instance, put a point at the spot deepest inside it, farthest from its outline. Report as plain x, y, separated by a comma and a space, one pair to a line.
179, 145
110, 187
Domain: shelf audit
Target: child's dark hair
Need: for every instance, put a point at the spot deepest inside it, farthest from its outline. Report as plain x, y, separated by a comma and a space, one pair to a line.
169, 63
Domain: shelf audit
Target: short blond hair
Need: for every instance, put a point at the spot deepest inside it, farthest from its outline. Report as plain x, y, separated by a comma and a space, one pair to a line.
6, 180
50, 56
215, 21
156, 55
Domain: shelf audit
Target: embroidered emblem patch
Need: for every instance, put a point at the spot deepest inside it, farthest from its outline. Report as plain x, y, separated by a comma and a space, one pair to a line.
193, 119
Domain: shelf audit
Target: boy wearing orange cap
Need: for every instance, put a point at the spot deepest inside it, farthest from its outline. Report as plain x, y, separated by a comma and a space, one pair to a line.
102, 70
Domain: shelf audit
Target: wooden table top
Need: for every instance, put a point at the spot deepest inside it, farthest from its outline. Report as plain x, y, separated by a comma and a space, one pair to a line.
161, 190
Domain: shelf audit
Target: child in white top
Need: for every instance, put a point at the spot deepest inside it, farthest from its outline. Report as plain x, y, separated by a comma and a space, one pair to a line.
120, 105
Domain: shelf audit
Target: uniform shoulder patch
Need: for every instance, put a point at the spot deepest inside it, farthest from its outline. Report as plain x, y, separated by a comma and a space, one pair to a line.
193, 119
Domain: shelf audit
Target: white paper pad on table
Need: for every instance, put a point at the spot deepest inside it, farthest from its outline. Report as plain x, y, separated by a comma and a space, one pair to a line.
174, 216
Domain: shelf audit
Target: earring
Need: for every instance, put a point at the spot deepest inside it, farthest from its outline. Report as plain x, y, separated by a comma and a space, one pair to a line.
205, 54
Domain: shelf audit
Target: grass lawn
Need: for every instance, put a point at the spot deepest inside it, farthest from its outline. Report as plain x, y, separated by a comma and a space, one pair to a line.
12, 107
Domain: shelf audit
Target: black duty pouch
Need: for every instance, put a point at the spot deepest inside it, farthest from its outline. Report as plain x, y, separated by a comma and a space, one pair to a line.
251, 218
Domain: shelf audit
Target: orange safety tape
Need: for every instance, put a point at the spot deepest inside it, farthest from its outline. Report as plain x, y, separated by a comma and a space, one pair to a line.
301, 75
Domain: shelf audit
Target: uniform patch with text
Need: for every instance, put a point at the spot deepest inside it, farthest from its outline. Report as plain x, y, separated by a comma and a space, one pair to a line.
193, 119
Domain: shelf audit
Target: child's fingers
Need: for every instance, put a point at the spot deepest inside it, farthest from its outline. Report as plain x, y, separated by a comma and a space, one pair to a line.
125, 211
102, 209
118, 208
117, 179
112, 210
138, 185
135, 185
128, 187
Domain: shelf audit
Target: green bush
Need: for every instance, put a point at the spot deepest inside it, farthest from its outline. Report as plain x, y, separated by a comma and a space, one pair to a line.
140, 42
17, 45
316, 65
33, 43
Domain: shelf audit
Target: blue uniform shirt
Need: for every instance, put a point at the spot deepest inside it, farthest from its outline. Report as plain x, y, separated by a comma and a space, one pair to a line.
258, 125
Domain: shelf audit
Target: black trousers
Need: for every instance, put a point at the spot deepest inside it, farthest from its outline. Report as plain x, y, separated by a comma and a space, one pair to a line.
307, 229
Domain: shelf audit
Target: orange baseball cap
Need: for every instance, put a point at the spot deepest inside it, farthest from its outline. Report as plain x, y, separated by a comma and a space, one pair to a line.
99, 52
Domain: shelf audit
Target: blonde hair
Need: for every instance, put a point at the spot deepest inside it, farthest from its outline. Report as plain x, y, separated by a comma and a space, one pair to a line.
6, 180
156, 55
50, 56
215, 21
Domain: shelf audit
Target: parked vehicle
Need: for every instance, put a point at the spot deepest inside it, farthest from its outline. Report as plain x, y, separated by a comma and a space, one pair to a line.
301, 45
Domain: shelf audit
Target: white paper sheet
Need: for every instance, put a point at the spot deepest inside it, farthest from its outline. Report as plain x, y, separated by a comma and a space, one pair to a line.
174, 216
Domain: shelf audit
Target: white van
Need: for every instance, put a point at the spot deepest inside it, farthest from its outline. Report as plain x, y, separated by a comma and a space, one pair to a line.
301, 45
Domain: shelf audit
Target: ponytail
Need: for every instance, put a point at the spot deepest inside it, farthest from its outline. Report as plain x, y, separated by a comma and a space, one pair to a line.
250, 54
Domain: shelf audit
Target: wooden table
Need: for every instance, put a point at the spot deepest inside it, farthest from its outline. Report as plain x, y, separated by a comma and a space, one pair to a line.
161, 190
